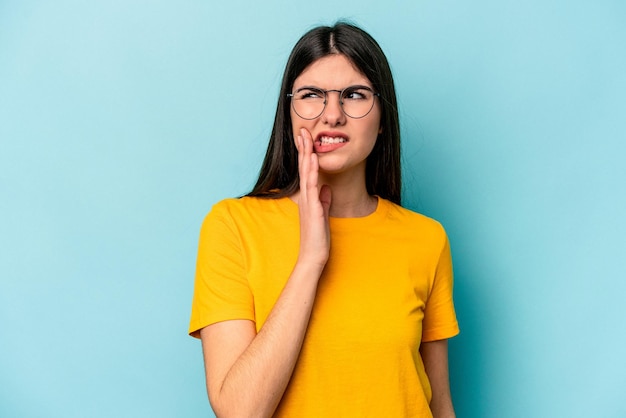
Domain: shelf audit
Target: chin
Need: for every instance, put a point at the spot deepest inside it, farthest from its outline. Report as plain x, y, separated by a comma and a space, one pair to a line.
331, 171
337, 169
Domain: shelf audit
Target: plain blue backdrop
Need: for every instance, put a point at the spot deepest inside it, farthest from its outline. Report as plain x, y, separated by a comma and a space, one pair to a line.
122, 122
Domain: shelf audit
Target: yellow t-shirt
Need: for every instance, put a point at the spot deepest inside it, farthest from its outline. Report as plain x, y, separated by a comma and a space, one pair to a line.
387, 286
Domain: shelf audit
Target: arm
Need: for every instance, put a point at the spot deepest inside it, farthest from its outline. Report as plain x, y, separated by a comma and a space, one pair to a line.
246, 372
435, 358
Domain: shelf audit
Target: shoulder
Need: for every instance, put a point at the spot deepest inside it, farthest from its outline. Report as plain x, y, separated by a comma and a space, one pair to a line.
250, 209
399, 213
414, 223
241, 204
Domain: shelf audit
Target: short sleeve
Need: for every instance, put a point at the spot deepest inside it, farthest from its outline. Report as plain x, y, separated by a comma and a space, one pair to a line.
221, 290
439, 316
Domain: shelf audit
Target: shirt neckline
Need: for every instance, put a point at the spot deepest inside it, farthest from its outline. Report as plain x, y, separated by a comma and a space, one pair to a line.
382, 207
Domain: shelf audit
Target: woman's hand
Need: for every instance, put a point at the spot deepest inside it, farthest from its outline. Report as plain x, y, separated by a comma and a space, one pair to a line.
247, 372
314, 205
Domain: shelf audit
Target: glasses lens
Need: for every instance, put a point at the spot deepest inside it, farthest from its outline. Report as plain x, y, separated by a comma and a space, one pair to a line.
308, 103
357, 101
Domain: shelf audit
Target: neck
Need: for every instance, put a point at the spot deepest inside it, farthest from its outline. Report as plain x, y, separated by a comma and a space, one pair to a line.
349, 196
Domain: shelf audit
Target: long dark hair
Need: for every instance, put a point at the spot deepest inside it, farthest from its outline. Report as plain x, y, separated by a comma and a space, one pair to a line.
279, 174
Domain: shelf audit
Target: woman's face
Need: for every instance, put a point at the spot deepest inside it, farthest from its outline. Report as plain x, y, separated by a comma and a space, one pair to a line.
341, 143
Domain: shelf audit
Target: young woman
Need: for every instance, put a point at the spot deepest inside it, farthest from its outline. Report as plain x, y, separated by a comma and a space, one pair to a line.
317, 294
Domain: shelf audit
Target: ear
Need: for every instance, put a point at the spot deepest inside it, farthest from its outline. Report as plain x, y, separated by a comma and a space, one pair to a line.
380, 130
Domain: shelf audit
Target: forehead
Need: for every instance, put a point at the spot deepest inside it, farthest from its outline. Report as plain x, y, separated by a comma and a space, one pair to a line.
334, 71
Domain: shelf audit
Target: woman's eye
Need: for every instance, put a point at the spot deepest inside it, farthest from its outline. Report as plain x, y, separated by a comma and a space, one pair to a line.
310, 94
359, 94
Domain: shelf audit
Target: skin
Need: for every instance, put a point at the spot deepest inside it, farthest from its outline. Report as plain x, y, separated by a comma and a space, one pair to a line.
435, 357
247, 373
343, 170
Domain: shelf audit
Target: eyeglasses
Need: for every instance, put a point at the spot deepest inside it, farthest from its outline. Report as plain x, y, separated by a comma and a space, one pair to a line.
310, 102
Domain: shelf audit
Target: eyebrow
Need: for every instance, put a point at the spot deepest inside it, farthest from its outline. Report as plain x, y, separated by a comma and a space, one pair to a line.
353, 86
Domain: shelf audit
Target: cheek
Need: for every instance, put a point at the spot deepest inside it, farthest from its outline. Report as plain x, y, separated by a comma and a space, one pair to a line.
298, 123
374, 127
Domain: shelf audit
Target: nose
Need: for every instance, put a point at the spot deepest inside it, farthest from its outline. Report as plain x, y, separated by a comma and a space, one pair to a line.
333, 113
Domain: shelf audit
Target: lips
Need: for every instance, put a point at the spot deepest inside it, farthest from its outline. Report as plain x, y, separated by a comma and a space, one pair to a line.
329, 141
328, 138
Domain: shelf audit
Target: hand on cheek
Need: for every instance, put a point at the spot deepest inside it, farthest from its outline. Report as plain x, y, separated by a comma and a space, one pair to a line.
314, 204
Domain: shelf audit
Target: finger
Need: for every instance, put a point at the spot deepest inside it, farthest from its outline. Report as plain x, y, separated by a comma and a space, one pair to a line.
305, 157
306, 134
312, 174
307, 141
308, 168
326, 199
298, 142
306, 145
304, 169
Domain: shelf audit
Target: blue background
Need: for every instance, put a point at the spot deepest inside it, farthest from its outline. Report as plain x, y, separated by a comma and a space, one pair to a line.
122, 122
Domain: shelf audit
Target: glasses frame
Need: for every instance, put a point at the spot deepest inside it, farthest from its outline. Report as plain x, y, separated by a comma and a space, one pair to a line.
356, 86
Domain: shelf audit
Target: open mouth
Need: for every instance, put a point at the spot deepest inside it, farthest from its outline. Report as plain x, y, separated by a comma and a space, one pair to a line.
330, 140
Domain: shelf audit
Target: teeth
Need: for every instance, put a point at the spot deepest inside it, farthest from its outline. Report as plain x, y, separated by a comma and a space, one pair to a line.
330, 140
